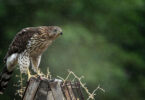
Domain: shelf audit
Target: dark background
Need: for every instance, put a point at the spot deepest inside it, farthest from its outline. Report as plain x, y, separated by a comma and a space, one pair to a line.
103, 40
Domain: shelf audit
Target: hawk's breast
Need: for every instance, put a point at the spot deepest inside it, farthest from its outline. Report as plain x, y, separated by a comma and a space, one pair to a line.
36, 46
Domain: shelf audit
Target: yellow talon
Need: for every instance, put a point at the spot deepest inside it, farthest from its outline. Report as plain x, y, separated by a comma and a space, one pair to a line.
38, 72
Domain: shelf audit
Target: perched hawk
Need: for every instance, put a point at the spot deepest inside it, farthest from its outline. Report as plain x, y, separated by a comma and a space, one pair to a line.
27, 47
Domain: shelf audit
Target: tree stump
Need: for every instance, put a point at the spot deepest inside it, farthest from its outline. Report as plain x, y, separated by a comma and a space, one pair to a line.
44, 89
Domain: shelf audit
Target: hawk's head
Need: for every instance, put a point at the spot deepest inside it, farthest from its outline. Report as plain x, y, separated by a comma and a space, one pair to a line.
50, 32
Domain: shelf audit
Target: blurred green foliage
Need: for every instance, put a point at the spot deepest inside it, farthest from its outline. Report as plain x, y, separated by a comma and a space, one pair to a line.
103, 40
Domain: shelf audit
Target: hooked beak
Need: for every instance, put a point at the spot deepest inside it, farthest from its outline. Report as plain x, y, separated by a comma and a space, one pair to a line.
61, 33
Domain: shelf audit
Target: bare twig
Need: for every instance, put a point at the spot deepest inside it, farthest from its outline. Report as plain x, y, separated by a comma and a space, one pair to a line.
90, 95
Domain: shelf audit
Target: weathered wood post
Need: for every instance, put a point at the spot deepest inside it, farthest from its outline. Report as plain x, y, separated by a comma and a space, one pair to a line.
44, 89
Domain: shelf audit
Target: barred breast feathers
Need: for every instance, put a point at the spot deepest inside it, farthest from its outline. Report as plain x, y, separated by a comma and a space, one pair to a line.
37, 45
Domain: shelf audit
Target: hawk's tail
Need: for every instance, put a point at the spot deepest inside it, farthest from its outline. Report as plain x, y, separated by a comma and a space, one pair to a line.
5, 76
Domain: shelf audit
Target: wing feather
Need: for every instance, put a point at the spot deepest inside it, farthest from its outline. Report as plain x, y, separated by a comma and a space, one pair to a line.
20, 41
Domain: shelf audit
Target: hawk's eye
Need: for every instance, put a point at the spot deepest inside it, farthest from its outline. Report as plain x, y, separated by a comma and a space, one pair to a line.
55, 30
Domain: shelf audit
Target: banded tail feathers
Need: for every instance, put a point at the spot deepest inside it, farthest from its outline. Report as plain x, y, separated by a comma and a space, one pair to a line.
5, 76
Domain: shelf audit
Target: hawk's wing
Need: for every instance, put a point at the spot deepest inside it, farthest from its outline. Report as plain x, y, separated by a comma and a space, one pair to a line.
20, 41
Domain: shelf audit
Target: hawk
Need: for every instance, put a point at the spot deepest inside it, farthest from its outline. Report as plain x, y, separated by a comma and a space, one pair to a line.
27, 48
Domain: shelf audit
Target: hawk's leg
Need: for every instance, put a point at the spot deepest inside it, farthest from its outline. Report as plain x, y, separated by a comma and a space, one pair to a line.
35, 60
28, 73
